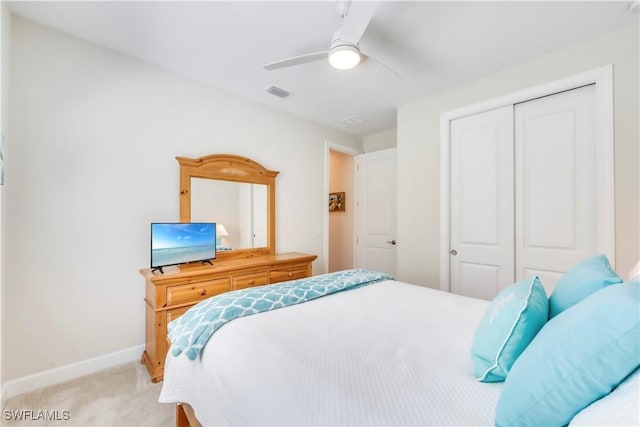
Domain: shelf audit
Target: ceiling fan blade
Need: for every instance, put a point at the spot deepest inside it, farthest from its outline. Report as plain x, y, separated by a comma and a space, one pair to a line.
385, 66
296, 60
356, 20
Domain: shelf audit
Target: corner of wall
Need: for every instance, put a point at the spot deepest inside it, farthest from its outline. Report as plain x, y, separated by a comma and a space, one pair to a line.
380, 141
5, 28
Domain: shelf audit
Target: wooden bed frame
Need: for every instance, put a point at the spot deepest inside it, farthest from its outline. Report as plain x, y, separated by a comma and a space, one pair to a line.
185, 417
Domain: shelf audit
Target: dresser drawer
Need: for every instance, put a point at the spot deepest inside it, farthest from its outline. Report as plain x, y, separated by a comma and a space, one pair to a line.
196, 292
174, 313
288, 273
249, 280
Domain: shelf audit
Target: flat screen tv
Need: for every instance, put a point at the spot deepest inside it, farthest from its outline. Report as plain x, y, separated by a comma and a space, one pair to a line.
175, 243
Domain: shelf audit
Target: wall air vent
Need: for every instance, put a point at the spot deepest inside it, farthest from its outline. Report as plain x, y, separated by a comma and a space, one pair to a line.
276, 91
353, 121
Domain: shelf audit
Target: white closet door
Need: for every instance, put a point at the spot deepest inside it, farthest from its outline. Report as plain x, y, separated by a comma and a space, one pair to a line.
555, 184
481, 211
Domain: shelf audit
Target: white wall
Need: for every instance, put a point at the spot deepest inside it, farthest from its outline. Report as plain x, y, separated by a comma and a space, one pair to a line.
93, 140
5, 33
419, 157
341, 223
380, 141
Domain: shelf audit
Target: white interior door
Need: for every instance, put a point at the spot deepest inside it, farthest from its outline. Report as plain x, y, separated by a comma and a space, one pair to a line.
481, 211
376, 211
555, 182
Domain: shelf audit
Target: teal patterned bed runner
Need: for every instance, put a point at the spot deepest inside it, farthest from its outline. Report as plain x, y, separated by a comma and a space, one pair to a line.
190, 332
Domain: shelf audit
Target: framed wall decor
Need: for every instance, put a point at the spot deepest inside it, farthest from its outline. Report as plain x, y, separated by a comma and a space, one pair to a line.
336, 202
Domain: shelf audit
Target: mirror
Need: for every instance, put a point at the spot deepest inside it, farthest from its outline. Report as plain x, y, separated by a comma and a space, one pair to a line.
240, 207
233, 191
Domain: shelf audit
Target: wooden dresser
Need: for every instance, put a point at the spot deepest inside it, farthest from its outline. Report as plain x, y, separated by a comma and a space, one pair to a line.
169, 295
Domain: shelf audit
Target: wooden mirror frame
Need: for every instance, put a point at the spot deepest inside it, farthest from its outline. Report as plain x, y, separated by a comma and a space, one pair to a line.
228, 167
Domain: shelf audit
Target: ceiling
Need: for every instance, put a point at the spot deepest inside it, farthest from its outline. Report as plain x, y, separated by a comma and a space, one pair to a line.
433, 45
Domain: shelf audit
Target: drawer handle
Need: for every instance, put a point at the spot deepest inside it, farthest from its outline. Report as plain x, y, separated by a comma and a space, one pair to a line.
202, 292
252, 282
290, 274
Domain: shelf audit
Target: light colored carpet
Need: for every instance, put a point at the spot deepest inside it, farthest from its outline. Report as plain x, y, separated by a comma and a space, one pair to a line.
120, 396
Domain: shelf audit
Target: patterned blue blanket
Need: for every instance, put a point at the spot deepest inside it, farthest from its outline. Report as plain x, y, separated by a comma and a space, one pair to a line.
190, 332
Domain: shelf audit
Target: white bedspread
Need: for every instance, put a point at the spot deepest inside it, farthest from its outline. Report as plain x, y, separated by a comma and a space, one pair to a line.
385, 354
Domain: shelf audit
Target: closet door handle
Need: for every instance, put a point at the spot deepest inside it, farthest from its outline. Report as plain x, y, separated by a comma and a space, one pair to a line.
393, 242
454, 252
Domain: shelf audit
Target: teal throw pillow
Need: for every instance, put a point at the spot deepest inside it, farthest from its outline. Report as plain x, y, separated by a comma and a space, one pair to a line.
578, 357
511, 321
582, 280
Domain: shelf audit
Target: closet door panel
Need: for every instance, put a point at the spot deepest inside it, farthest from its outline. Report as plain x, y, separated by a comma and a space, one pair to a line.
481, 261
555, 204
548, 278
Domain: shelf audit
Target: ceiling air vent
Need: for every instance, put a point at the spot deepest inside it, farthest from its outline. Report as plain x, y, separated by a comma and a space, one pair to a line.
353, 121
276, 91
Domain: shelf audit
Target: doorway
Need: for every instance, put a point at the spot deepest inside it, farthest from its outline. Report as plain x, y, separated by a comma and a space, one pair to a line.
339, 221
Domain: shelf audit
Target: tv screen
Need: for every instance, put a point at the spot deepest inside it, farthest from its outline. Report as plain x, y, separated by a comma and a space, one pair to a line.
180, 243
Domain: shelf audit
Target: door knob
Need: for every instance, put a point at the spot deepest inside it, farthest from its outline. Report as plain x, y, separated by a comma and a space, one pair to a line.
393, 242
454, 252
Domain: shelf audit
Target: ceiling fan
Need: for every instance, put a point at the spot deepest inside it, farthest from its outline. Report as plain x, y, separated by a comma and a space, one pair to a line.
344, 52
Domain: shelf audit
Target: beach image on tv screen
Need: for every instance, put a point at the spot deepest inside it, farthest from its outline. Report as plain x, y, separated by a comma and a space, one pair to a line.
180, 243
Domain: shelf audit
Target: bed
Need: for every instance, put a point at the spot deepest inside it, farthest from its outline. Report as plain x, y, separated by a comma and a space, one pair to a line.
390, 353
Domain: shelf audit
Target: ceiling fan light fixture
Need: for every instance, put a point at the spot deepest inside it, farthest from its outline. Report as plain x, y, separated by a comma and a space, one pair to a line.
344, 57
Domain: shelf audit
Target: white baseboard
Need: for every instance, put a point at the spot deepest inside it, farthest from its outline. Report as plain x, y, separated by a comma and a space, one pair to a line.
69, 372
